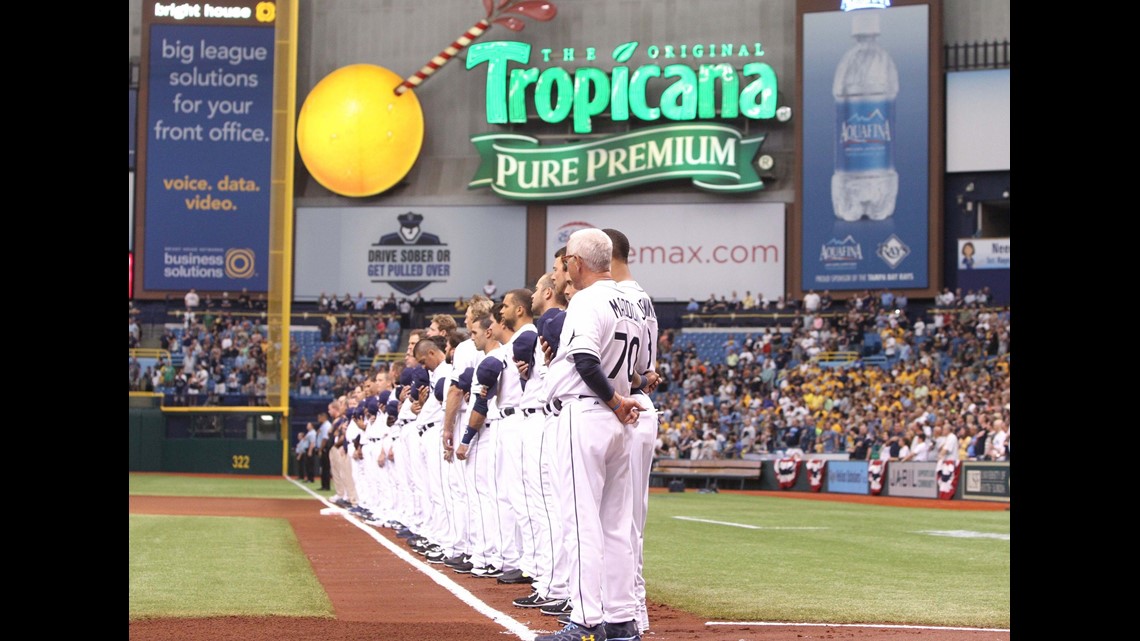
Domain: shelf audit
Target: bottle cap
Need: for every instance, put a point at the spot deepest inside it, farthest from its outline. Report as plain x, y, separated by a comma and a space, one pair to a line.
865, 22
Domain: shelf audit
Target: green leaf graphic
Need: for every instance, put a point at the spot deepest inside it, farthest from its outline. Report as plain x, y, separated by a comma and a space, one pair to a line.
624, 52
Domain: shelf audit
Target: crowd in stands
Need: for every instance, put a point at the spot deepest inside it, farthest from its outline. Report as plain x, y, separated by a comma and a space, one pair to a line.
919, 385
215, 352
945, 377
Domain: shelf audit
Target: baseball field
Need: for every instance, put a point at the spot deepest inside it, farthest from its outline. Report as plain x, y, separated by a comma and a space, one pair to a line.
253, 558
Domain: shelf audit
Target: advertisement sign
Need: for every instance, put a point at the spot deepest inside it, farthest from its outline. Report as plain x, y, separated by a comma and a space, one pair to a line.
866, 146
207, 118
983, 253
847, 477
977, 120
737, 247
439, 253
912, 478
698, 83
983, 481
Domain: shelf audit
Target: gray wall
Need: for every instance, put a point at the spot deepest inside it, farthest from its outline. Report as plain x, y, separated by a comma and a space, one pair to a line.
402, 35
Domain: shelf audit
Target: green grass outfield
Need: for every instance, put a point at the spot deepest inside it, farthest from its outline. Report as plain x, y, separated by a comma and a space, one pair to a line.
734, 557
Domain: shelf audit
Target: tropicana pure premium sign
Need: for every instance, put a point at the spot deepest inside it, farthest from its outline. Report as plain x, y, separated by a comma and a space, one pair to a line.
703, 85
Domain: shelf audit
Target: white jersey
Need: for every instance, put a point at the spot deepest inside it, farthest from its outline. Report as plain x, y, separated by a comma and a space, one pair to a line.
466, 355
634, 290
510, 390
534, 390
432, 411
351, 433
375, 430
603, 321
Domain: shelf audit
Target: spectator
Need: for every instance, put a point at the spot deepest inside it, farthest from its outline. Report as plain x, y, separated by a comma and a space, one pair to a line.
191, 300
919, 449
997, 451
812, 302
749, 303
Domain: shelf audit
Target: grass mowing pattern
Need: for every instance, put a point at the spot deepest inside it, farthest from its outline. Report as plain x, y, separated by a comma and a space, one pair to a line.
810, 561
197, 566
216, 486
848, 564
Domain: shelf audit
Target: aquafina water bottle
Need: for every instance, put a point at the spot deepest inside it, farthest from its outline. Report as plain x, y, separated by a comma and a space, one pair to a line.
865, 183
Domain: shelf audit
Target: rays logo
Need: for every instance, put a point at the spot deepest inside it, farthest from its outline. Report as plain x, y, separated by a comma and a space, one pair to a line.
893, 251
841, 254
409, 259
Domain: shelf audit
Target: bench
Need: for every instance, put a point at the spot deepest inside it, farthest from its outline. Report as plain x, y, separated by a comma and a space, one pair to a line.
711, 470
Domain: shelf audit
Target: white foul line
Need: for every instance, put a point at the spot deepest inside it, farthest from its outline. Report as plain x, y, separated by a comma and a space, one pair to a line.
745, 526
855, 625
508, 622
966, 534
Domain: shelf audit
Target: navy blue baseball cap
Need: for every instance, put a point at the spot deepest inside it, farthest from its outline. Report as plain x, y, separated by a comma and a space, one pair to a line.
393, 407
464, 380
420, 377
384, 396
552, 328
372, 405
524, 345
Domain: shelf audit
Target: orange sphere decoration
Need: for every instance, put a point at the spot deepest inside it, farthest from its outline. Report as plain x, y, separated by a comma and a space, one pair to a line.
355, 135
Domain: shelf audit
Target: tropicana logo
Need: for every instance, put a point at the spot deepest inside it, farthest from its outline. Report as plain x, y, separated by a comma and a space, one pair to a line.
622, 91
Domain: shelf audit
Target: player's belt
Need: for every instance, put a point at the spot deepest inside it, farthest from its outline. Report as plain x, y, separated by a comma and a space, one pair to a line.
531, 411
554, 408
506, 411
424, 428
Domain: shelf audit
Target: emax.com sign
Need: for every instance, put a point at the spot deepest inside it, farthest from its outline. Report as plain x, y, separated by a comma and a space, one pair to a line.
716, 156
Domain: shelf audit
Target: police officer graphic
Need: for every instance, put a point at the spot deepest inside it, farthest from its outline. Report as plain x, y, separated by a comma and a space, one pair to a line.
409, 270
410, 232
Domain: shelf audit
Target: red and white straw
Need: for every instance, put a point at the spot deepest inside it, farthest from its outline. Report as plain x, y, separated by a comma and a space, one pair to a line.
443, 57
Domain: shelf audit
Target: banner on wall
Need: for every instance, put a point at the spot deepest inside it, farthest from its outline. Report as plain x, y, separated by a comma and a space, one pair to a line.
983, 253
438, 253
207, 122
912, 478
847, 477
815, 468
786, 471
985, 481
866, 148
737, 247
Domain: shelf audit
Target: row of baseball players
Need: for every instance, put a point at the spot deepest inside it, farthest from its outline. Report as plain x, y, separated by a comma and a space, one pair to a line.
521, 449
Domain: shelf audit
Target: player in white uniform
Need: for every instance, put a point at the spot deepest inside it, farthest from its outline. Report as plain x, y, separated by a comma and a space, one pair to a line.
477, 449
456, 412
502, 392
645, 436
600, 357
431, 353
545, 525
515, 321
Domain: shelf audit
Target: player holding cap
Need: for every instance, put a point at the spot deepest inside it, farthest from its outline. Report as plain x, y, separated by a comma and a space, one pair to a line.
600, 357
645, 436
